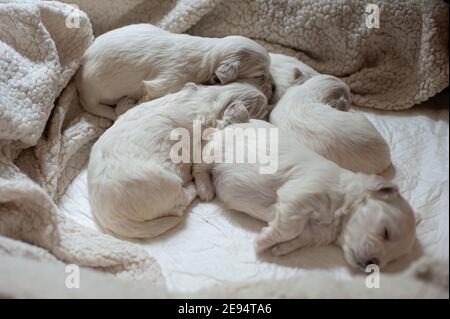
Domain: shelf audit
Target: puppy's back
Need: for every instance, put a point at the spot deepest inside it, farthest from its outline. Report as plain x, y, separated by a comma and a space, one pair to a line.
127, 201
347, 138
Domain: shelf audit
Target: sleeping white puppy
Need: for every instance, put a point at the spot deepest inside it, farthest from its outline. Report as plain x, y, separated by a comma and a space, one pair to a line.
143, 61
287, 71
136, 189
310, 200
311, 113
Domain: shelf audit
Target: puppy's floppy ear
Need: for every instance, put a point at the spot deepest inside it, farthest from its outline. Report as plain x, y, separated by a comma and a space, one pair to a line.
298, 76
236, 113
256, 104
341, 104
338, 97
382, 188
227, 71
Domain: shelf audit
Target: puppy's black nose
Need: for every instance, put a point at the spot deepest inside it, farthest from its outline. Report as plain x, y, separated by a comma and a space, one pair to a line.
372, 261
273, 88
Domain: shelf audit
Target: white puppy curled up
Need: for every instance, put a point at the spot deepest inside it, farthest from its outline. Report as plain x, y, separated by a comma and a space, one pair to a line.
312, 114
287, 71
137, 188
310, 200
123, 65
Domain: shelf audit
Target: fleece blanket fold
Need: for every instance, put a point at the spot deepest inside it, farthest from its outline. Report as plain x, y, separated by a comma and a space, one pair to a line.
392, 56
42, 148
49, 281
45, 137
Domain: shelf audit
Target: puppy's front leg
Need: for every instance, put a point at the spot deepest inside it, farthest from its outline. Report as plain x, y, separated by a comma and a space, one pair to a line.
205, 188
289, 246
292, 213
286, 226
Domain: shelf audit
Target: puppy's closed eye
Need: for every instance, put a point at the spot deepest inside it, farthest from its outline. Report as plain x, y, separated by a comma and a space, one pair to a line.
215, 79
386, 234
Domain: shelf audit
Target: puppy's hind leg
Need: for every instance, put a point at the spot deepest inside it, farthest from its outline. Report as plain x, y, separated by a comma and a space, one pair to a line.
124, 105
189, 194
99, 109
155, 227
158, 87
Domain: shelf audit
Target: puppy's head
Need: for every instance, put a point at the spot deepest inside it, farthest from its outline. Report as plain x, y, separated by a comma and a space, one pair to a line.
235, 97
380, 226
326, 89
287, 71
245, 60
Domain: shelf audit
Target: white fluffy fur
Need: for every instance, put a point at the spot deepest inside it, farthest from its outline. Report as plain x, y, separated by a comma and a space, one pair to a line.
312, 201
135, 190
123, 65
287, 71
311, 113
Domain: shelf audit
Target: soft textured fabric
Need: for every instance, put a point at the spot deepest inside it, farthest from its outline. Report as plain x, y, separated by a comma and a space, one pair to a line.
22, 278
45, 138
44, 141
216, 246
399, 64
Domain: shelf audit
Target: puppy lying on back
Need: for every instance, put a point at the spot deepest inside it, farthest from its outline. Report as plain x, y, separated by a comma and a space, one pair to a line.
309, 200
123, 65
287, 71
136, 187
311, 113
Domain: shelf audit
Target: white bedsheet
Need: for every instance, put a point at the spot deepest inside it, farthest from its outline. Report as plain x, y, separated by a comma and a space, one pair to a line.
215, 246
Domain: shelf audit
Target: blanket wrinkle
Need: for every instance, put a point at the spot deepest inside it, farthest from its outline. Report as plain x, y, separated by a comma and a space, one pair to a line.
43, 149
401, 64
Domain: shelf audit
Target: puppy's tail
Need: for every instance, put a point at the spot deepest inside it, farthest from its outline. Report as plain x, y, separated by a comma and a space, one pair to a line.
143, 201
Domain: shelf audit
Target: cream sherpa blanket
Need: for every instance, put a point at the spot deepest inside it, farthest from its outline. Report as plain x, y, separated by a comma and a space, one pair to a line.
399, 64
22, 278
45, 138
42, 148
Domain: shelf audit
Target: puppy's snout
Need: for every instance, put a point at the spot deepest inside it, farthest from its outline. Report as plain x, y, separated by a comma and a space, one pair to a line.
372, 261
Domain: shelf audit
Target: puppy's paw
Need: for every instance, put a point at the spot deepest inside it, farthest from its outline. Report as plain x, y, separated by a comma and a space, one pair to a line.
205, 189
124, 105
278, 251
190, 192
264, 240
144, 98
285, 248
